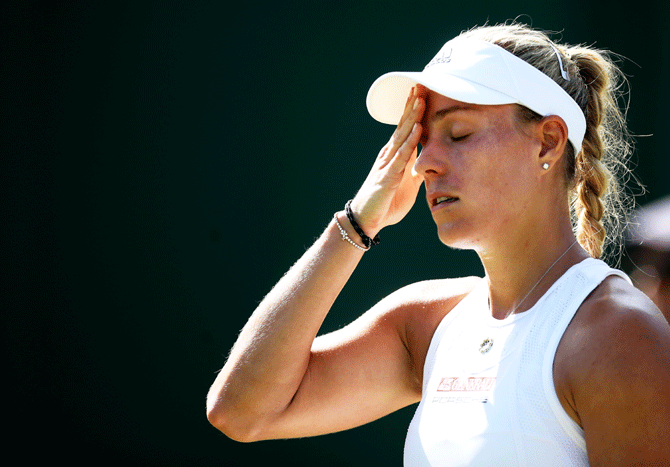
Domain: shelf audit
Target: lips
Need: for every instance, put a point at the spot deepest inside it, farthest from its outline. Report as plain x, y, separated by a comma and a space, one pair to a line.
436, 199
439, 199
444, 199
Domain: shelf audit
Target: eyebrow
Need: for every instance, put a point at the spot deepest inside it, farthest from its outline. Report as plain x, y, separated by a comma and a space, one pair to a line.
440, 114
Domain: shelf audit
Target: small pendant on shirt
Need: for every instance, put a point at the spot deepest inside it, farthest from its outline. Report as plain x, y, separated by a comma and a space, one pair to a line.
486, 346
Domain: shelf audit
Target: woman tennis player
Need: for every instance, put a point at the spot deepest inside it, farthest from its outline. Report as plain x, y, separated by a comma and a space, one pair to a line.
552, 358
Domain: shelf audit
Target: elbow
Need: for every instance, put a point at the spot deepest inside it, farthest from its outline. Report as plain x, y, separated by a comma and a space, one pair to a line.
232, 423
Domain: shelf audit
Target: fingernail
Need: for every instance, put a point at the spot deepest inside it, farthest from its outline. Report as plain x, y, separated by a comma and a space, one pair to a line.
416, 103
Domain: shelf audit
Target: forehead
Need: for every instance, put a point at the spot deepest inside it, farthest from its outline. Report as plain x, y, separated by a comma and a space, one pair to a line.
439, 107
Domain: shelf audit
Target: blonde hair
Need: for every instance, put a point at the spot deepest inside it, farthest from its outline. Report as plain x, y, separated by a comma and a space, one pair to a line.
596, 175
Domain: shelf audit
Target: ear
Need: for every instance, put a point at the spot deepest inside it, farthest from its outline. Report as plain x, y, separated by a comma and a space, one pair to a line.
553, 133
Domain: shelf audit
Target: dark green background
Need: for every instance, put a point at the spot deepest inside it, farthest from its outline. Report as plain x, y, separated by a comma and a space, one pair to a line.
164, 163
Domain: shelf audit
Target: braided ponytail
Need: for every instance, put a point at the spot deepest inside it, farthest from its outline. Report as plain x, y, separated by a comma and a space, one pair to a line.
598, 205
599, 209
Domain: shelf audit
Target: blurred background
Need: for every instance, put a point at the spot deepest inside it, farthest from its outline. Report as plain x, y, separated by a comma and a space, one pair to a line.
164, 163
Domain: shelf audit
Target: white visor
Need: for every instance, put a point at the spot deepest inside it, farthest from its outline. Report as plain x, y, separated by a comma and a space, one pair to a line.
478, 72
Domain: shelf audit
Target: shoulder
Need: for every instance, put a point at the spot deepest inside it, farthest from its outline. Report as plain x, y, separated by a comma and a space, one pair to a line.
444, 294
417, 309
430, 292
615, 317
615, 327
411, 312
422, 302
614, 366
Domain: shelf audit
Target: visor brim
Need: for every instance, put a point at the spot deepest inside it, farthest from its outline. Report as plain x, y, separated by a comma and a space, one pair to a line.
387, 95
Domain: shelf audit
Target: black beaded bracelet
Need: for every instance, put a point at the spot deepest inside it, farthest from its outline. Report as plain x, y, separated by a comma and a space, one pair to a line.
367, 241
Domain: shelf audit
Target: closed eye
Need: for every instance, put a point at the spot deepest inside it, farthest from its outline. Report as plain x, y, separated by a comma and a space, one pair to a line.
460, 138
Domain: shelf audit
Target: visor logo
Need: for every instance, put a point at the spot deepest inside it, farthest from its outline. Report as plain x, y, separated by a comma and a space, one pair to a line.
442, 57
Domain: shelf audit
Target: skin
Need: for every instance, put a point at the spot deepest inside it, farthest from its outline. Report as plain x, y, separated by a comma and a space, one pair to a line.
612, 368
655, 284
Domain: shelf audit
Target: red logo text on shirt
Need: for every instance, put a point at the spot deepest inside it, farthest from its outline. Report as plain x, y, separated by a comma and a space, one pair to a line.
466, 384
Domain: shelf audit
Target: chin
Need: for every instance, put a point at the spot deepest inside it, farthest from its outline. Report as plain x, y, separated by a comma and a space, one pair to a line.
457, 238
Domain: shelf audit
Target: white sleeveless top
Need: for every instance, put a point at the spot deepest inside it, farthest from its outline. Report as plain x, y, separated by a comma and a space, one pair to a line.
488, 390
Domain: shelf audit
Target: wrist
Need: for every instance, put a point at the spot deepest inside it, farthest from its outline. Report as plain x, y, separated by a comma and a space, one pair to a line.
347, 231
362, 233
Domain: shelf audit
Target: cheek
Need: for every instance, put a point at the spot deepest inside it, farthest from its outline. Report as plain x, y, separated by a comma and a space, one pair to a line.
503, 176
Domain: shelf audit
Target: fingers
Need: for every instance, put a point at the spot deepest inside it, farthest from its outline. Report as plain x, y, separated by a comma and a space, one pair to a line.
410, 143
412, 114
407, 135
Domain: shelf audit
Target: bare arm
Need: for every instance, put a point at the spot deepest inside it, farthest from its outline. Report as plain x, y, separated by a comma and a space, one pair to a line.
278, 382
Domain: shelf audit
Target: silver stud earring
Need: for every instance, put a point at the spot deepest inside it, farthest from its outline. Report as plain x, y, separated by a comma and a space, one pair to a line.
545, 166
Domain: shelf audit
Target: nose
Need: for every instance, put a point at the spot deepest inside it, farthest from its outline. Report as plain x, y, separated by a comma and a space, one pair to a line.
432, 160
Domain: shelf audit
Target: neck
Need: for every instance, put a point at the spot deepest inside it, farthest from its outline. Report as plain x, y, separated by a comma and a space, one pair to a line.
522, 270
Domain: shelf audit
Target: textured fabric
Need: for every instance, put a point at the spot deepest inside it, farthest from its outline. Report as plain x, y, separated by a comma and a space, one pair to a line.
488, 391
